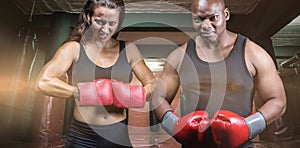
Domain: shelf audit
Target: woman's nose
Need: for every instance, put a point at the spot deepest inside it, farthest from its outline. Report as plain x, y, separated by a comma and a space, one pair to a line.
104, 29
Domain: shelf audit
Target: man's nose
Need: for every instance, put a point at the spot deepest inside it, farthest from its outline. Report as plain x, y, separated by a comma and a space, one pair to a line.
206, 24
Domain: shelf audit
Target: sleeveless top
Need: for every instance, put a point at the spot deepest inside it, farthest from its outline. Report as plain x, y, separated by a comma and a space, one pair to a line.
226, 84
84, 70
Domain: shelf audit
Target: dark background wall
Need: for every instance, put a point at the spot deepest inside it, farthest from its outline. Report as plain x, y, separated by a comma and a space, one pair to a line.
19, 102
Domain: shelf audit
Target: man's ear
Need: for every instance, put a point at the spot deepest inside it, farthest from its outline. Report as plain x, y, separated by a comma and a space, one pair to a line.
227, 14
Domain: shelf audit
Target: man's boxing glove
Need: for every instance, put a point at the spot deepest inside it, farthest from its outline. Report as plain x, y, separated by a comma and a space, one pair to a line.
232, 130
128, 95
98, 92
188, 130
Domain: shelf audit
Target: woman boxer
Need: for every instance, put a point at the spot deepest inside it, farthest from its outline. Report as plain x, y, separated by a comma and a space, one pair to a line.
101, 74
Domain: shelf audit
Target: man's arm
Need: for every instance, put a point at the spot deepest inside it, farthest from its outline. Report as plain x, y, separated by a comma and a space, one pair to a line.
188, 130
166, 88
267, 82
168, 84
271, 90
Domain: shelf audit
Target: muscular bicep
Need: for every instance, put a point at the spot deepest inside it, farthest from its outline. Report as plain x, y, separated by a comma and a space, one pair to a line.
267, 80
140, 69
145, 76
60, 63
268, 84
49, 81
168, 83
138, 65
133, 54
171, 82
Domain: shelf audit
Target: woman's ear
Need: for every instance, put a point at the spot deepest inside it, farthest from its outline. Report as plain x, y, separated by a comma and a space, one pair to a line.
89, 18
227, 14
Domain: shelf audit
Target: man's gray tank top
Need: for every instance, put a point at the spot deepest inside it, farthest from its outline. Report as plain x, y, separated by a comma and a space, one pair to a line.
231, 90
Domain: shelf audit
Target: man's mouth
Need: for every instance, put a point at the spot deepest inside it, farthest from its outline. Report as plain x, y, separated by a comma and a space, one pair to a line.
207, 33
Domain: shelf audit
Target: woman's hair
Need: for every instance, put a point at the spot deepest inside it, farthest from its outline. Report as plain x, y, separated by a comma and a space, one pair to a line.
88, 10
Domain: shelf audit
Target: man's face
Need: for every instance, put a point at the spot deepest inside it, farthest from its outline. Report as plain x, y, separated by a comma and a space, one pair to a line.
209, 18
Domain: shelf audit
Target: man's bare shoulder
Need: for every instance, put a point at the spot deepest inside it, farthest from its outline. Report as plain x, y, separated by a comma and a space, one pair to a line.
254, 51
176, 56
257, 58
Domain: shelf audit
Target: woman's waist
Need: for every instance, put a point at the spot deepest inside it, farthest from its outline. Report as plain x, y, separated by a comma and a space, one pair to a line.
99, 115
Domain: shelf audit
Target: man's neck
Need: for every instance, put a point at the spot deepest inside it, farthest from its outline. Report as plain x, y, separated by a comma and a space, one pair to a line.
212, 51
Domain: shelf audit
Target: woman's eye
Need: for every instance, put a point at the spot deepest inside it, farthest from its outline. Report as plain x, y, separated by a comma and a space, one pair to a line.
100, 22
112, 23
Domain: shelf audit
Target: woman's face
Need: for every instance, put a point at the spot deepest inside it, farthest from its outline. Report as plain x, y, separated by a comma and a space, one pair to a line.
104, 22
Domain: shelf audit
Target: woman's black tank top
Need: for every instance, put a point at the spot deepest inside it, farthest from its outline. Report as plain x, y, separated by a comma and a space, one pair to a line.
84, 70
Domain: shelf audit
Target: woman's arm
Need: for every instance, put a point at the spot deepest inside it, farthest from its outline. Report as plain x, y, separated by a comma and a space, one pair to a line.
140, 69
48, 81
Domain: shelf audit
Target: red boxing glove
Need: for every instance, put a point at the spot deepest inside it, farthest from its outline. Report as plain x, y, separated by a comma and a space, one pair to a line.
95, 93
190, 129
127, 95
232, 130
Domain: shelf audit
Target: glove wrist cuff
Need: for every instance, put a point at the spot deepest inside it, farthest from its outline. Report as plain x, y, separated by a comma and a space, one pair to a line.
75, 92
256, 124
168, 122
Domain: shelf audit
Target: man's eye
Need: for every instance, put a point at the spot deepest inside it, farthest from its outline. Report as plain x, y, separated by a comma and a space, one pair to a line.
197, 19
213, 18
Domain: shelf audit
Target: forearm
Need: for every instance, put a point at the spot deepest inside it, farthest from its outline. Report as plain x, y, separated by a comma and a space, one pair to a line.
55, 87
161, 106
149, 88
272, 110
162, 99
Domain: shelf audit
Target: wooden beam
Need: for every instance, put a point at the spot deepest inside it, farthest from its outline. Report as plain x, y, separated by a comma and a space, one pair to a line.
157, 38
286, 41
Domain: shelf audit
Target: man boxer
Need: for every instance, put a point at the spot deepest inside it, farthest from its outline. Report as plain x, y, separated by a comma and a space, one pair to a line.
218, 72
